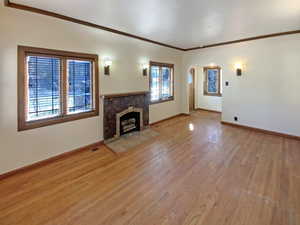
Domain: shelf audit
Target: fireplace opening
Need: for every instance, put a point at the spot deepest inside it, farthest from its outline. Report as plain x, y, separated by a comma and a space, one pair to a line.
129, 122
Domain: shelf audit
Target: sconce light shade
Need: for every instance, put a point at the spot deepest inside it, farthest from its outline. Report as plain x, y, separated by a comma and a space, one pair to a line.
238, 67
145, 69
145, 72
106, 70
107, 64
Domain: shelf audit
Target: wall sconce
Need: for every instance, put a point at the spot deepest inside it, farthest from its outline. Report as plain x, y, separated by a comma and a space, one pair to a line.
107, 64
145, 69
238, 68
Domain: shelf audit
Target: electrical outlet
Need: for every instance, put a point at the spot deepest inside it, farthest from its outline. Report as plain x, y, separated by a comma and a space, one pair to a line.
236, 118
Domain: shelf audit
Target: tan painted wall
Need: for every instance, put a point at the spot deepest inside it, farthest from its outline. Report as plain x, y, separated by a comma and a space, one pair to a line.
18, 149
267, 94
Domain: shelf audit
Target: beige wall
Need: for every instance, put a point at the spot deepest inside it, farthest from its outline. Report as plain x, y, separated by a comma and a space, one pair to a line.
267, 95
18, 149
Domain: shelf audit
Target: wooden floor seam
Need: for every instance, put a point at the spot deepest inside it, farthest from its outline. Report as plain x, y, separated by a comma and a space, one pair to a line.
212, 174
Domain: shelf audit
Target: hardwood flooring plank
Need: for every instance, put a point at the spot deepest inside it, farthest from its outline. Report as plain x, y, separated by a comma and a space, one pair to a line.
211, 175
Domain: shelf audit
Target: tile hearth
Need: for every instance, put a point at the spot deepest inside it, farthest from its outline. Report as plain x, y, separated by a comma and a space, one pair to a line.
131, 140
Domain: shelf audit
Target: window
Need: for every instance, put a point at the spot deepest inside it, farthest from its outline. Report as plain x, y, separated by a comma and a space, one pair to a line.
161, 82
212, 81
55, 87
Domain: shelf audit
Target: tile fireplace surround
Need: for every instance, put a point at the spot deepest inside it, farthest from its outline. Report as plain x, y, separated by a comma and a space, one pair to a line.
116, 103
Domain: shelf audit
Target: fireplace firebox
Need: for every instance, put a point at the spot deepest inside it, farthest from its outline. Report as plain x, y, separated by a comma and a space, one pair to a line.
129, 122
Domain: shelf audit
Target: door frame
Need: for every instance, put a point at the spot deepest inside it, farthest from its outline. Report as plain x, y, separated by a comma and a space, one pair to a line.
192, 73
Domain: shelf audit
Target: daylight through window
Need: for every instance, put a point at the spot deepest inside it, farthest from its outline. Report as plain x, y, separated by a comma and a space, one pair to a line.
56, 86
161, 82
212, 81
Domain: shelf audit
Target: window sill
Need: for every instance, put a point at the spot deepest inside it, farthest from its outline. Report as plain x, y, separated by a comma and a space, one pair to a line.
162, 101
213, 95
55, 120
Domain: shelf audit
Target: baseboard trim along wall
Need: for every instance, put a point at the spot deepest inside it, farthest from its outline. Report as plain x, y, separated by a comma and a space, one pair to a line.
169, 118
208, 110
262, 130
70, 153
50, 160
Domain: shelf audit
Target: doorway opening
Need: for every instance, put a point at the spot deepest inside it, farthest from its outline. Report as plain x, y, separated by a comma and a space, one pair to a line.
205, 88
191, 87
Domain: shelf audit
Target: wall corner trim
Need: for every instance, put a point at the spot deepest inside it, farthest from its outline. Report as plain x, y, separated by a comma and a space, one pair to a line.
6, 2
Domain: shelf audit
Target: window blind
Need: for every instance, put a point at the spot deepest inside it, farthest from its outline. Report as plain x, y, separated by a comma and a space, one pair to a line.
43, 87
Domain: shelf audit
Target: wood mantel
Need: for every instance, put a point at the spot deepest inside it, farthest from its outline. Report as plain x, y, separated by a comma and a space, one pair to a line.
116, 95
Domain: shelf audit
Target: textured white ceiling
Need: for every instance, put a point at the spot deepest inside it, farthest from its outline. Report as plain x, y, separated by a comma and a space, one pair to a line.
183, 23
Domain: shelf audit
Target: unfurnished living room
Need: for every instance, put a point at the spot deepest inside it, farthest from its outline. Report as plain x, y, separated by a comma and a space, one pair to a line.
150, 112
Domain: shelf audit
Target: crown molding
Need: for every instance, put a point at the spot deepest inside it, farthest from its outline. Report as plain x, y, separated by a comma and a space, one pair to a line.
82, 22
245, 39
10, 4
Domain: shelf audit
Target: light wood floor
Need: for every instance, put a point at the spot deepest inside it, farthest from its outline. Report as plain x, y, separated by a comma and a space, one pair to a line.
213, 175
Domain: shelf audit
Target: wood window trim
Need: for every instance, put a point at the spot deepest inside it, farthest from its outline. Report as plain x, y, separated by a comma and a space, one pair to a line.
205, 83
23, 51
171, 66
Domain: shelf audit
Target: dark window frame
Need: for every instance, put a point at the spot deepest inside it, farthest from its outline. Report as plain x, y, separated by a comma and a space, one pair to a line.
159, 64
205, 83
23, 52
